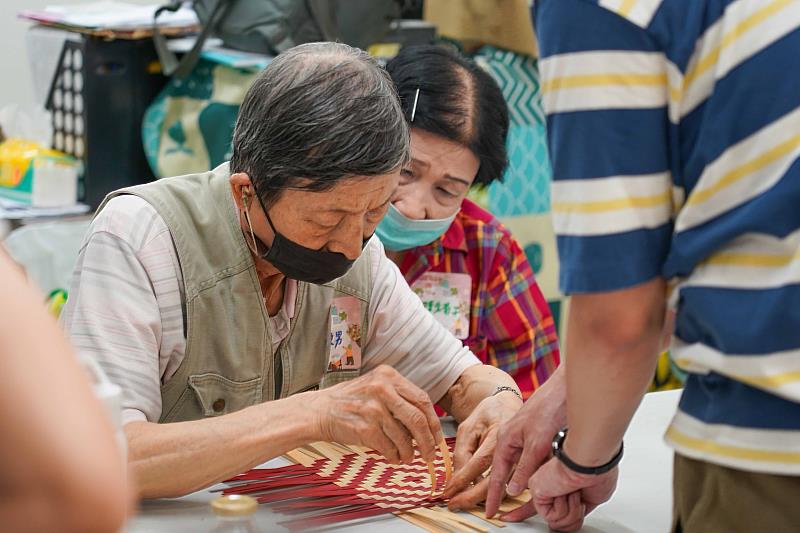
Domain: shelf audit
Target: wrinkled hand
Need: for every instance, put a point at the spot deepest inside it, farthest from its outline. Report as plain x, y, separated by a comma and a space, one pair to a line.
475, 444
563, 497
525, 441
381, 410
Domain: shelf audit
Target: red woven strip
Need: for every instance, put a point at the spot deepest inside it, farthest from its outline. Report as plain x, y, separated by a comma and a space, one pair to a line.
385, 479
273, 485
362, 474
266, 473
396, 499
336, 517
320, 503
283, 495
341, 468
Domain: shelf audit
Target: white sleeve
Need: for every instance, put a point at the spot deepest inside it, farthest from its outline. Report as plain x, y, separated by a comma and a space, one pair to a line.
112, 314
403, 334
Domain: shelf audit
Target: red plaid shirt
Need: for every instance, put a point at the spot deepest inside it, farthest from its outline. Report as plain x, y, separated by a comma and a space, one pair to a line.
511, 326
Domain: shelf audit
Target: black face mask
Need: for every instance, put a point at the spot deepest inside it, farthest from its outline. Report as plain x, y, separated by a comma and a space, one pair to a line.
297, 262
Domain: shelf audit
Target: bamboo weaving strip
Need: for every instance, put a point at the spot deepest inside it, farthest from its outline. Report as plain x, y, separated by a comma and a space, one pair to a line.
422, 523
480, 513
443, 515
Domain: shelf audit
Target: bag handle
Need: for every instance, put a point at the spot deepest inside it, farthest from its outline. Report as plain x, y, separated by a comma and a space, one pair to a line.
169, 61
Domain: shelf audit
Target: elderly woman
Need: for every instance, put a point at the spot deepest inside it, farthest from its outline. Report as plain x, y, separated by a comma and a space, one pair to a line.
248, 310
466, 266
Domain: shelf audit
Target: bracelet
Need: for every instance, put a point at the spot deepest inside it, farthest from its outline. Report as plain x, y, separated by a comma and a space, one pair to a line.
558, 451
504, 388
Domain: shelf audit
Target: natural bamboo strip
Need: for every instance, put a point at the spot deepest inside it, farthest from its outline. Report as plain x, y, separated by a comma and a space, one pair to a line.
301, 456
433, 516
327, 450
448, 463
345, 449
441, 513
420, 522
482, 515
525, 497
461, 518
432, 473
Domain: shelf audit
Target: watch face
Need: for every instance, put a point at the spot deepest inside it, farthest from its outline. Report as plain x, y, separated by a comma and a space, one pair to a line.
558, 441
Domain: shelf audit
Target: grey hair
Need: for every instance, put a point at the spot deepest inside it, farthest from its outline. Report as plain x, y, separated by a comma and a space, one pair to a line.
318, 114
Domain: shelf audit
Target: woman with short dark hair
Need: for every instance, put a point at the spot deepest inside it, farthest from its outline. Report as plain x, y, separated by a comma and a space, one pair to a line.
460, 259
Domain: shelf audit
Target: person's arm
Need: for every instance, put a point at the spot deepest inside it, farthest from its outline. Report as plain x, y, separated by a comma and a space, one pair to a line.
614, 342
473, 386
525, 442
607, 100
475, 402
170, 460
518, 326
60, 466
521, 341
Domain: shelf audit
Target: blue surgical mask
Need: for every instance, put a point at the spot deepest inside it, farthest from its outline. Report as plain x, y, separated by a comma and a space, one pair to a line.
397, 232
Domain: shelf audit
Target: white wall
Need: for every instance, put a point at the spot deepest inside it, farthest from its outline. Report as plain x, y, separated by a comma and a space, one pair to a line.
15, 78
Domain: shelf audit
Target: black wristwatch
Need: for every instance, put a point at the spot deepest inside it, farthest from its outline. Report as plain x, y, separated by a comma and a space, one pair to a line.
558, 451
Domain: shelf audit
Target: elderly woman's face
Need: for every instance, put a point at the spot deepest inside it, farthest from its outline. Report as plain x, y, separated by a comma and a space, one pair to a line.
337, 220
434, 183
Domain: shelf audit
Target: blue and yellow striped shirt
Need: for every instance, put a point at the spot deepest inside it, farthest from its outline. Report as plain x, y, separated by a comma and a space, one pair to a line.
675, 137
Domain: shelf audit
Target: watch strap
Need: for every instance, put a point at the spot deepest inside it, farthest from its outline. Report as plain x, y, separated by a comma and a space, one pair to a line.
558, 451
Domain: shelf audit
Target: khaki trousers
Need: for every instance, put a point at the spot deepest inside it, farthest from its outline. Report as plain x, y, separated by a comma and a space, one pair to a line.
711, 498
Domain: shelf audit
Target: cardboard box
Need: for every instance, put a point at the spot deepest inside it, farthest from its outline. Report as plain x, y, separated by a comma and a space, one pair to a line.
501, 23
36, 176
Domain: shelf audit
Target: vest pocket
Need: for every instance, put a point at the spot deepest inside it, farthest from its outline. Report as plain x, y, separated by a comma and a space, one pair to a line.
219, 395
334, 377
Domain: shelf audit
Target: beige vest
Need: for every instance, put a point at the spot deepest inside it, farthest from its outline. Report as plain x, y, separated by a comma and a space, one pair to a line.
230, 361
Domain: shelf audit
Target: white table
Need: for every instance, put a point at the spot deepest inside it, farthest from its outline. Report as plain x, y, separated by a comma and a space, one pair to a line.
642, 503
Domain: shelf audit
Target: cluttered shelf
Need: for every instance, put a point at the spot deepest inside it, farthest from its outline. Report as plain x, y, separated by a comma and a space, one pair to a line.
112, 98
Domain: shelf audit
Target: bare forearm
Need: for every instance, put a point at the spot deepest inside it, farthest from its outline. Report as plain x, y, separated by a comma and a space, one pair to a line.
551, 397
476, 383
613, 347
171, 460
45, 508
61, 467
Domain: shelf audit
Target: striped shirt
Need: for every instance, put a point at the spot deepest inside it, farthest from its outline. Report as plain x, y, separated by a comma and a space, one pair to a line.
675, 137
126, 309
510, 324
